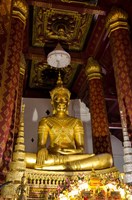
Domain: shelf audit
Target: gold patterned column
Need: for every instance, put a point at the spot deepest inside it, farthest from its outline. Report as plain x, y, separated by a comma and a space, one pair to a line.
10, 82
121, 50
17, 165
99, 120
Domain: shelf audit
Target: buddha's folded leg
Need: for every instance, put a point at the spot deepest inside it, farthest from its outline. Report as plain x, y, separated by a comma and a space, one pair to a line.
70, 162
101, 161
52, 167
30, 160
62, 159
59, 162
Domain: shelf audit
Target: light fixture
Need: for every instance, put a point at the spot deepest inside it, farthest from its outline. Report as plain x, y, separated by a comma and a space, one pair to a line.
58, 58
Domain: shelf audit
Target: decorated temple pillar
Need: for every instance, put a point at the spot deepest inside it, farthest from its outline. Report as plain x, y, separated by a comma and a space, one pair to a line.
10, 82
121, 50
99, 120
5, 12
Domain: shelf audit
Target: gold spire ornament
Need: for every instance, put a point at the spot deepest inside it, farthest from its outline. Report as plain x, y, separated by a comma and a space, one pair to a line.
18, 164
59, 89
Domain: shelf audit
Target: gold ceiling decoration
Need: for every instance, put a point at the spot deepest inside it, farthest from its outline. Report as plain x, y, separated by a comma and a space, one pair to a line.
44, 76
53, 24
85, 2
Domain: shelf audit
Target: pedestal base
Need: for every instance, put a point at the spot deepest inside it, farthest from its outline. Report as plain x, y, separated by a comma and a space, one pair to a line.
42, 185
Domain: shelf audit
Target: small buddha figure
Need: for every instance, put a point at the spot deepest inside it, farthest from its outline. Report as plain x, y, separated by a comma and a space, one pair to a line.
66, 133
22, 189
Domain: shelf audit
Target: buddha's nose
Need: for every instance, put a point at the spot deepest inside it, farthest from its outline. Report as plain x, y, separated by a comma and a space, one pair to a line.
62, 100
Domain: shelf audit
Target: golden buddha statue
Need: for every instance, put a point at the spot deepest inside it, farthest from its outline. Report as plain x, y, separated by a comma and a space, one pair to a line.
66, 133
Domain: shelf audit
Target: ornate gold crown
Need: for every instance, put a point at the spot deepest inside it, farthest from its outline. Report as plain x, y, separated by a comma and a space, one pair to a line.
59, 89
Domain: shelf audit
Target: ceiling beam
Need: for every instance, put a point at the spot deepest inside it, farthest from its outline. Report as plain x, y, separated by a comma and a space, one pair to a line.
96, 39
90, 9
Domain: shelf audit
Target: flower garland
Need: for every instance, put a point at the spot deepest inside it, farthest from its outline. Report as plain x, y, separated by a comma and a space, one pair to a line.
94, 187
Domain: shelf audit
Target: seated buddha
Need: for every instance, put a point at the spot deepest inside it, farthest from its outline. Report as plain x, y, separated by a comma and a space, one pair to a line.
66, 133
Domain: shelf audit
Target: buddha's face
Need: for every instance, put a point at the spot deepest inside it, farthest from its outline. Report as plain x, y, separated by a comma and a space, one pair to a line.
61, 102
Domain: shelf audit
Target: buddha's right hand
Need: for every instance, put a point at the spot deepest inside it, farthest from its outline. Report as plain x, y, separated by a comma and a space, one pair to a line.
42, 156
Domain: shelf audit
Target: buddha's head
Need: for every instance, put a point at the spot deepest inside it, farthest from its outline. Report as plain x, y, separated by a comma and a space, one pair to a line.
60, 97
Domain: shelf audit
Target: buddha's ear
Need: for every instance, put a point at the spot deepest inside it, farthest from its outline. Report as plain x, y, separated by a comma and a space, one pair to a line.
51, 102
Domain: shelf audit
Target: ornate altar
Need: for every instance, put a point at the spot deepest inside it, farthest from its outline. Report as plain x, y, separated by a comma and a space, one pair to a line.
46, 185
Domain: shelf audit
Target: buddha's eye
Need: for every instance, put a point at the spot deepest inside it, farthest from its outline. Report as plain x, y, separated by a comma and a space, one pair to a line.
65, 100
61, 99
56, 99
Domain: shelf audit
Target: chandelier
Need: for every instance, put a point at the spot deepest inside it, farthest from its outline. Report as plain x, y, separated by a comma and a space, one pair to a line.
58, 58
